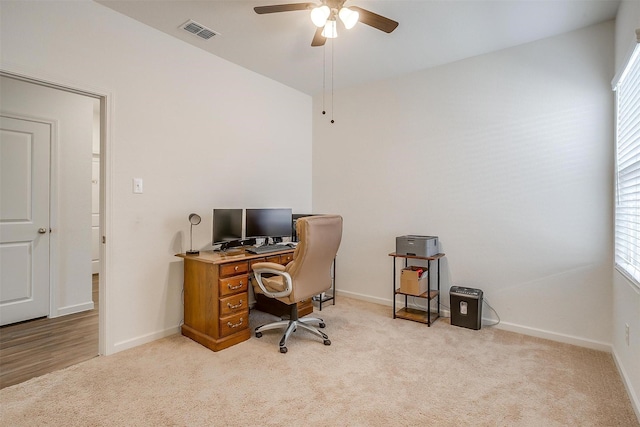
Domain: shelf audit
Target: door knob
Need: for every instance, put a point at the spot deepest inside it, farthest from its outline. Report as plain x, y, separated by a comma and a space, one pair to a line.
42, 230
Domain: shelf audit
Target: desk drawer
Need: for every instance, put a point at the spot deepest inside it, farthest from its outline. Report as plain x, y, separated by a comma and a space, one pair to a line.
255, 261
233, 285
274, 258
235, 323
278, 259
286, 259
233, 304
233, 268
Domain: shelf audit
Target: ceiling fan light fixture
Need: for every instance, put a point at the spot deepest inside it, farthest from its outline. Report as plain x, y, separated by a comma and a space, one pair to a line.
330, 31
319, 15
348, 17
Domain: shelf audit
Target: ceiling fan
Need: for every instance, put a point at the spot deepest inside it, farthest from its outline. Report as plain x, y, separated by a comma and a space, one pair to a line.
325, 17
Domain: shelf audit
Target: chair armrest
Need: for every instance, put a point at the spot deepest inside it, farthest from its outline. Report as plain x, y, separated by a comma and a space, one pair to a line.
261, 268
270, 265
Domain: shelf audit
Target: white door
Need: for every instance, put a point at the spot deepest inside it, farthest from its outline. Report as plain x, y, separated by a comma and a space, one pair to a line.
25, 148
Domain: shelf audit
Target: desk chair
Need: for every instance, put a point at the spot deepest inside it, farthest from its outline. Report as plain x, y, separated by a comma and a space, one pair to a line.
307, 275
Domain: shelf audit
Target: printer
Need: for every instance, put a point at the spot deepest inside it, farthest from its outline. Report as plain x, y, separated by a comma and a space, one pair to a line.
423, 246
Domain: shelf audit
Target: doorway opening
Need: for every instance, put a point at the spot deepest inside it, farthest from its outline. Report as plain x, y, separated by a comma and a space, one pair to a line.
73, 327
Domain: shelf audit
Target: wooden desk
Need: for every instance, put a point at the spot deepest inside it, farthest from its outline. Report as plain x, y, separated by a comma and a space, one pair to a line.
216, 296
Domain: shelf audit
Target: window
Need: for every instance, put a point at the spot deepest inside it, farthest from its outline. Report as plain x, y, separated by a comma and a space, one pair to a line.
627, 217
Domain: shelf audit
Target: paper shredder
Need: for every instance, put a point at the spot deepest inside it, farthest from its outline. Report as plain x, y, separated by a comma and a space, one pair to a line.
466, 307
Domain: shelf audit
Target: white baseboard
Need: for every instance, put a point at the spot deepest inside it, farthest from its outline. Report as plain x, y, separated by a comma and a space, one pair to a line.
555, 336
363, 297
512, 327
633, 396
144, 339
71, 309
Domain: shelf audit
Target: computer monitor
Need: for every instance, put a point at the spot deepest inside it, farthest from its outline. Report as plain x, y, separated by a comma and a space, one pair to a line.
294, 220
268, 222
227, 226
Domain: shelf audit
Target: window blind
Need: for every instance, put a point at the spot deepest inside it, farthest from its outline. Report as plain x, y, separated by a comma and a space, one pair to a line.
627, 209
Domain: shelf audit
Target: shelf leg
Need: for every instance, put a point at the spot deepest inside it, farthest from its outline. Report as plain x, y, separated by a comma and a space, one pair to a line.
394, 287
438, 287
333, 284
429, 293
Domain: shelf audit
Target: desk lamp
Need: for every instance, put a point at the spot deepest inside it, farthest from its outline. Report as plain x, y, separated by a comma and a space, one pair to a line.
194, 219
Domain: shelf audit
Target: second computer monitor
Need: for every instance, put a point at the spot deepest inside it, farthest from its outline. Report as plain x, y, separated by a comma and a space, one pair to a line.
268, 222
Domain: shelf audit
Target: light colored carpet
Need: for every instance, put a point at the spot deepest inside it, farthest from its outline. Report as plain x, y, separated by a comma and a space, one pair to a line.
377, 372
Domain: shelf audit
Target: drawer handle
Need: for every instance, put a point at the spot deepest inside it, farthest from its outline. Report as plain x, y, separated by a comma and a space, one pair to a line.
234, 306
233, 288
236, 267
232, 325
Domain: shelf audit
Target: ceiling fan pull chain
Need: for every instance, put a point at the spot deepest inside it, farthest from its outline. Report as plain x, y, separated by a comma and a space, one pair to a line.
324, 75
332, 57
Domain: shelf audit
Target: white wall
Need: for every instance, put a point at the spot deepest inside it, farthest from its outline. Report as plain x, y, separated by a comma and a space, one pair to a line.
507, 157
626, 296
195, 128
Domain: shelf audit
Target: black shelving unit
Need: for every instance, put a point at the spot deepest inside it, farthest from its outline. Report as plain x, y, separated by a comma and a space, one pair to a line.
321, 299
430, 294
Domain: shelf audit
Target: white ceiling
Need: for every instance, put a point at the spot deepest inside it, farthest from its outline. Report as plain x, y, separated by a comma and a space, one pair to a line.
431, 33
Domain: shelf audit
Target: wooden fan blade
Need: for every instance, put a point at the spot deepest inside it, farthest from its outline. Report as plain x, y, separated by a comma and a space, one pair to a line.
374, 20
283, 7
318, 38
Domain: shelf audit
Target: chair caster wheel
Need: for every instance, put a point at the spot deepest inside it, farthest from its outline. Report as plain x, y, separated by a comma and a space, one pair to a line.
321, 325
258, 334
283, 349
327, 342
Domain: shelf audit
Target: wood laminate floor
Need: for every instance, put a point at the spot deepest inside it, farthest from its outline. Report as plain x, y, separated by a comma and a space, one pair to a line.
36, 347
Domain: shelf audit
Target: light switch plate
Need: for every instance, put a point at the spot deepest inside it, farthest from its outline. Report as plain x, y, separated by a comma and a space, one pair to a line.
137, 185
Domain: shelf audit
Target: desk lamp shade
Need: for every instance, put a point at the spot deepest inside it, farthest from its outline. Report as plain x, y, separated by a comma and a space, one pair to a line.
194, 219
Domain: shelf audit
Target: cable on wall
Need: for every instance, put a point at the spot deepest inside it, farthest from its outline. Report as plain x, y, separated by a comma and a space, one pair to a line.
495, 312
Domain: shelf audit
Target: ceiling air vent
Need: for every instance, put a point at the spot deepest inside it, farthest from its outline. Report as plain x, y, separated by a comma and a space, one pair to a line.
198, 30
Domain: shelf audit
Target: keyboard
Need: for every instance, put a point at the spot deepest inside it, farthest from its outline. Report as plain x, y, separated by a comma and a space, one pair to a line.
265, 249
